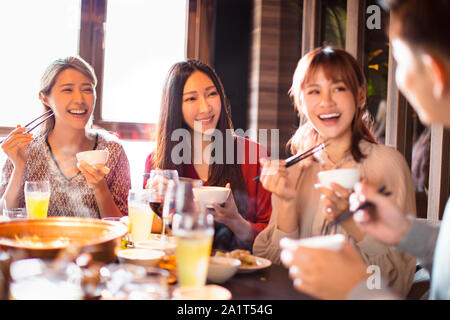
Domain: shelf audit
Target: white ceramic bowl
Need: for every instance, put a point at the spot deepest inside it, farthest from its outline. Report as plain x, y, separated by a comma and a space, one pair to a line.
221, 269
331, 242
208, 292
344, 177
141, 257
209, 194
93, 157
167, 245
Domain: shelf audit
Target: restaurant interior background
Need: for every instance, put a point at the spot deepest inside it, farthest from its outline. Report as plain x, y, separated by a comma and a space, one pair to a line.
253, 45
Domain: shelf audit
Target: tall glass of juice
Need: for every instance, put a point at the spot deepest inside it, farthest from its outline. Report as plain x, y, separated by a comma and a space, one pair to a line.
141, 216
194, 230
37, 197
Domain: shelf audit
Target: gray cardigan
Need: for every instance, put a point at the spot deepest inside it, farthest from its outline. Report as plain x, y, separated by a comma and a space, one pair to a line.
431, 245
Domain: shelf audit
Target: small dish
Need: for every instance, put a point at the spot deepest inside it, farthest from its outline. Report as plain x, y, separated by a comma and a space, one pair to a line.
260, 264
221, 269
208, 292
141, 257
167, 245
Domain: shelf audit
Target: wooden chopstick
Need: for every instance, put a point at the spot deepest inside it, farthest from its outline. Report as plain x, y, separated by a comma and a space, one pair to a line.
49, 113
299, 157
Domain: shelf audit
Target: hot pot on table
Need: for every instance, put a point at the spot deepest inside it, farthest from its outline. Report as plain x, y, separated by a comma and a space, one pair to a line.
45, 238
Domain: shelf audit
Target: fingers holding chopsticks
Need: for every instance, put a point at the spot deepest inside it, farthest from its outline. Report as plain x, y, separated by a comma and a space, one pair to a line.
274, 178
383, 220
15, 143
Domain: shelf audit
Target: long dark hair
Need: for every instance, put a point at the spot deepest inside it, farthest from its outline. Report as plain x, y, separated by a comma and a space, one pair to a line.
171, 118
335, 63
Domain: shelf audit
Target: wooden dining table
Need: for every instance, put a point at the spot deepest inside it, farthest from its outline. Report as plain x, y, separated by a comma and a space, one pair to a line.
272, 283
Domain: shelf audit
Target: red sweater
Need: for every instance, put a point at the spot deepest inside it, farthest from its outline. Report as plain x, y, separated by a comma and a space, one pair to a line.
259, 207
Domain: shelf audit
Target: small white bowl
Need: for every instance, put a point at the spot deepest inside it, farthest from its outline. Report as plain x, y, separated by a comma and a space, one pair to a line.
344, 177
141, 257
167, 245
209, 194
221, 269
208, 292
93, 157
331, 242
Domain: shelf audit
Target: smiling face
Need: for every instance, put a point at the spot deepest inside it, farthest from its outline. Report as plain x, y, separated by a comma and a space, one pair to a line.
201, 105
329, 105
417, 80
72, 99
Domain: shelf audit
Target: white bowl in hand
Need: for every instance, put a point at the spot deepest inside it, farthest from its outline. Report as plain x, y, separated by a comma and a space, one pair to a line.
93, 157
209, 194
221, 269
344, 177
331, 242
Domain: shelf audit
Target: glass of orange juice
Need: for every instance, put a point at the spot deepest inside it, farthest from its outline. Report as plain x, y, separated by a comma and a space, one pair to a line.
141, 216
37, 197
194, 230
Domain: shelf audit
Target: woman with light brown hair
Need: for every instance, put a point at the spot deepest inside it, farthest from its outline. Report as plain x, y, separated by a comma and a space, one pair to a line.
77, 188
329, 92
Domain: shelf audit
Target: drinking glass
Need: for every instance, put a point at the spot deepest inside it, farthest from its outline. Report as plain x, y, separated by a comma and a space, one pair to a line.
141, 217
193, 229
153, 286
37, 196
15, 213
158, 183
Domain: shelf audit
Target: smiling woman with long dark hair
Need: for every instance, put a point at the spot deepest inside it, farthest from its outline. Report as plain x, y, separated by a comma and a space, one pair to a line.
194, 102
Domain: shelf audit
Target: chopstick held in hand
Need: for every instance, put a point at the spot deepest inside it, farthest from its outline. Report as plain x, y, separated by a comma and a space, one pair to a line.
299, 157
48, 115
364, 205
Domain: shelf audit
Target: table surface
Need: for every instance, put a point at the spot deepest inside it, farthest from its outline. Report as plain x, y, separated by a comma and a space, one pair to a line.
272, 283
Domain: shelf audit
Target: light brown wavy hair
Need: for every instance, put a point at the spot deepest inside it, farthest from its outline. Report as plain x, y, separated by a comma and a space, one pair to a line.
337, 64
52, 72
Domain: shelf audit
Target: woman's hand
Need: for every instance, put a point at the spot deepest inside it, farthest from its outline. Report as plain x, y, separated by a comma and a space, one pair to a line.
14, 146
274, 178
335, 202
323, 273
228, 213
94, 174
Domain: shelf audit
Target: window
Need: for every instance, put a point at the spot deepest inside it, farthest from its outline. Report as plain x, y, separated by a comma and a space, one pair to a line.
34, 33
142, 40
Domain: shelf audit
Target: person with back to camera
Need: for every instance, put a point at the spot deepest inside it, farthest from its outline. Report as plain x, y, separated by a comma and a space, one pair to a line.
194, 100
329, 90
419, 38
77, 188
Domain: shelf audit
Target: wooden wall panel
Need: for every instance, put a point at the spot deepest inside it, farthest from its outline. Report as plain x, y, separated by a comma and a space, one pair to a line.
439, 188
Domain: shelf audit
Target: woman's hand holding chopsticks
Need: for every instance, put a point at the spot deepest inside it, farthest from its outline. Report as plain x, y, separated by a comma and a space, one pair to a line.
274, 178
14, 146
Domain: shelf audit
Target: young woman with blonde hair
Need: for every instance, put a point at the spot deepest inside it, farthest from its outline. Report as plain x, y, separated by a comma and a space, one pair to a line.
329, 91
77, 188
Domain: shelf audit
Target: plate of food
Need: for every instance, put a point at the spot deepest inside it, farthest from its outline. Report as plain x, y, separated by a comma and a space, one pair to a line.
249, 262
